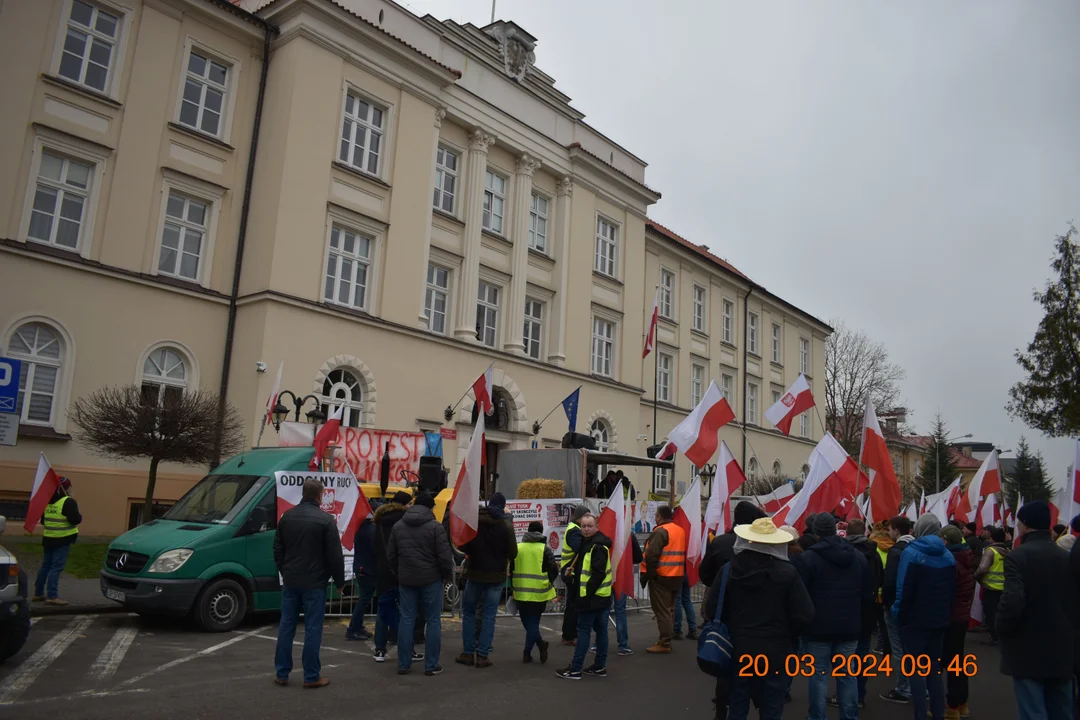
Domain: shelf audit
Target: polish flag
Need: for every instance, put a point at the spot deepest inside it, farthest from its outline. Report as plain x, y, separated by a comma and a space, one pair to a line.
361, 511
954, 498
986, 482
1059, 506
327, 435
911, 513
483, 392
989, 514
650, 338
1076, 474
695, 437
780, 516
797, 399
271, 402
922, 503
688, 517
775, 500
832, 473
729, 477
46, 482
465, 504
884, 487
615, 523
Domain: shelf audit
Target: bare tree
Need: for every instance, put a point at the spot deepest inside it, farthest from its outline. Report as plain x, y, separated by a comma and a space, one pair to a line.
128, 422
856, 367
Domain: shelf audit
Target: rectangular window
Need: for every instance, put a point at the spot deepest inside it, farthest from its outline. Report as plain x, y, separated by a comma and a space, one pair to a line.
487, 313
534, 327
697, 383
603, 344
538, 221
775, 396
446, 175
752, 403
699, 308
777, 351
347, 268
183, 236
205, 84
667, 289
494, 202
361, 134
89, 46
727, 388
804, 421
661, 481
59, 208
753, 327
663, 377
435, 300
606, 244
729, 313
804, 356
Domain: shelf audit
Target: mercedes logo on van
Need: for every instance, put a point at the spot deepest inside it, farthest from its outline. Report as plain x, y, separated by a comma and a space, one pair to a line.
119, 565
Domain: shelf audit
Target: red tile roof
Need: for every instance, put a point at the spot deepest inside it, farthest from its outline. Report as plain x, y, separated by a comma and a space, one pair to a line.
672, 235
962, 461
631, 178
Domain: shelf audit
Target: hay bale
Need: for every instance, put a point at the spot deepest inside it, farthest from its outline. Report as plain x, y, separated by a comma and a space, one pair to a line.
541, 489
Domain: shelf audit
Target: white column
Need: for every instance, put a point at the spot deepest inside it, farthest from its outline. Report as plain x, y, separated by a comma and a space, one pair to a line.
564, 193
479, 143
440, 113
515, 310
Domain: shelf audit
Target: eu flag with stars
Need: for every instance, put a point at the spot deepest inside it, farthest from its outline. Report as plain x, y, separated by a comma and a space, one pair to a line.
570, 406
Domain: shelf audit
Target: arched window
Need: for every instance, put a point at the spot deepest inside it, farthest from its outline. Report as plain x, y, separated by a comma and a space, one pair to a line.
752, 470
599, 432
804, 473
777, 469
164, 375
41, 349
502, 414
342, 388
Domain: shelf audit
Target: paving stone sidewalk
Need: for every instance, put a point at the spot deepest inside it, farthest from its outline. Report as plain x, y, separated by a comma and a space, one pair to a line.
83, 595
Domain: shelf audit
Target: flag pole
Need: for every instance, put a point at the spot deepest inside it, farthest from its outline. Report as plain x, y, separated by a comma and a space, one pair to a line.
559, 404
463, 395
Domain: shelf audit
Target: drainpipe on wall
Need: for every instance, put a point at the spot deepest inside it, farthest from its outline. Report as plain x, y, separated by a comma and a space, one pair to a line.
245, 211
745, 382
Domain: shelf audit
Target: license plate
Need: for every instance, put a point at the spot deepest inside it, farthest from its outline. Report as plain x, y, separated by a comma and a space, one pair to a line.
114, 595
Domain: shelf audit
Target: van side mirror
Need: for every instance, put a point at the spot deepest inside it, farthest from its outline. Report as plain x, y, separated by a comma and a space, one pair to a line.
258, 521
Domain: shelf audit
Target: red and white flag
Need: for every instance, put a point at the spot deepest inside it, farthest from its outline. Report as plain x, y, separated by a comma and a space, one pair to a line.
465, 504
363, 505
884, 487
1076, 474
989, 514
614, 521
271, 402
729, 477
326, 436
688, 517
483, 392
46, 482
772, 502
1060, 506
922, 503
797, 399
911, 513
832, 474
650, 338
696, 436
986, 482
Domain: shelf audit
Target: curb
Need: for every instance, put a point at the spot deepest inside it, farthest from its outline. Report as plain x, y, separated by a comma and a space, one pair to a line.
47, 611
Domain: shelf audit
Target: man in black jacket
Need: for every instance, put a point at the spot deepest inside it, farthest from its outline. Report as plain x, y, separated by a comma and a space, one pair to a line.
856, 535
365, 578
1035, 620
839, 581
490, 552
592, 568
388, 616
900, 532
307, 551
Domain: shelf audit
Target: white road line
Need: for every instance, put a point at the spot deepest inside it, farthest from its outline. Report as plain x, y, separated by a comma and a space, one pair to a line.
24, 676
322, 647
33, 620
110, 658
550, 630
202, 653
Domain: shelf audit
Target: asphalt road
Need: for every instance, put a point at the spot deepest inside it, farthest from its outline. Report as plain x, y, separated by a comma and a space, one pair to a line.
118, 666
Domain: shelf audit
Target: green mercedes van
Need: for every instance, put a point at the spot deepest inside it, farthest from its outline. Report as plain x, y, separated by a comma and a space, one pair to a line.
211, 555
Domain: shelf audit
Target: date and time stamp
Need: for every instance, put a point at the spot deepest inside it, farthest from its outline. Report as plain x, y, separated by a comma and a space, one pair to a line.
859, 666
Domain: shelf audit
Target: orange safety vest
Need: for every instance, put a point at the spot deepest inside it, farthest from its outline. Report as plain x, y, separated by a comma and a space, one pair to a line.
673, 556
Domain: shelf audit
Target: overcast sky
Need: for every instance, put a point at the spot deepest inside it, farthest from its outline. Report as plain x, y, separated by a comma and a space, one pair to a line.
904, 166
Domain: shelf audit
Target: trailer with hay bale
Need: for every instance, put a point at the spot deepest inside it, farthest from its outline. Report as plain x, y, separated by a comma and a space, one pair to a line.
559, 472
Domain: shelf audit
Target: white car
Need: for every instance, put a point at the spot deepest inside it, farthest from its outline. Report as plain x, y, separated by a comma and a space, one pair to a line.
14, 602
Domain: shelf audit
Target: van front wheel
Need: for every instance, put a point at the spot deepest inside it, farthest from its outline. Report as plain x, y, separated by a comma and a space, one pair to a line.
221, 605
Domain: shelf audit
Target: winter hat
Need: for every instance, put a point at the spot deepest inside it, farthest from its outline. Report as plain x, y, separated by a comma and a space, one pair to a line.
1076, 524
747, 512
1035, 514
927, 524
536, 527
579, 512
498, 500
972, 527
951, 535
790, 531
401, 498
1066, 541
65, 483
425, 500
824, 525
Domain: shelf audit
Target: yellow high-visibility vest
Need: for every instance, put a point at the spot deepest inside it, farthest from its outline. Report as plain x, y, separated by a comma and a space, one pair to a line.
568, 555
995, 579
56, 525
586, 572
530, 582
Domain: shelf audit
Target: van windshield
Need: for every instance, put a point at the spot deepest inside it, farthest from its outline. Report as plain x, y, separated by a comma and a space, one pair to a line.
217, 499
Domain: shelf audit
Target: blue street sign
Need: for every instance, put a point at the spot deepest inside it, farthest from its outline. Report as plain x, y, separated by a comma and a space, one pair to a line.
9, 384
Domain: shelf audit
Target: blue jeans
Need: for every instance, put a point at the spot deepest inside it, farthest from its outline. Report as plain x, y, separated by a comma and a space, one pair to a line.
846, 687
52, 564
489, 594
365, 587
682, 600
770, 689
313, 604
531, 623
387, 617
903, 684
588, 622
862, 650
622, 633
927, 642
428, 597
1039, 700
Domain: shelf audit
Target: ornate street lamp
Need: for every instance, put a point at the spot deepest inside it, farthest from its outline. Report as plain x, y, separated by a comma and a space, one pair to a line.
280, 413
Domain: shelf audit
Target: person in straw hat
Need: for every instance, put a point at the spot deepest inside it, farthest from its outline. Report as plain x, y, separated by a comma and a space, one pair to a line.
765, 606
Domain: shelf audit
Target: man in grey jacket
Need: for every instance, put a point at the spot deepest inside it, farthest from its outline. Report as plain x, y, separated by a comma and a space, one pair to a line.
419, 555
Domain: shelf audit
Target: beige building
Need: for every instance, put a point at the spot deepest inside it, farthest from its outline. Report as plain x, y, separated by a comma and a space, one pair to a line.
385, 203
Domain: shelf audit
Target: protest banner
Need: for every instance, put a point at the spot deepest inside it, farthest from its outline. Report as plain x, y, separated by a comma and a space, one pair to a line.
363, 449
339, 500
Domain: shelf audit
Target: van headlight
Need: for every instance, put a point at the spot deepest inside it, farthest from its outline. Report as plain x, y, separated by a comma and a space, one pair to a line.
171, 561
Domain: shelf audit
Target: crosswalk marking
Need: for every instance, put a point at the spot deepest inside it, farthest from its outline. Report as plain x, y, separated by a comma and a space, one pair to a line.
24, 676
110, 658
187, 658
